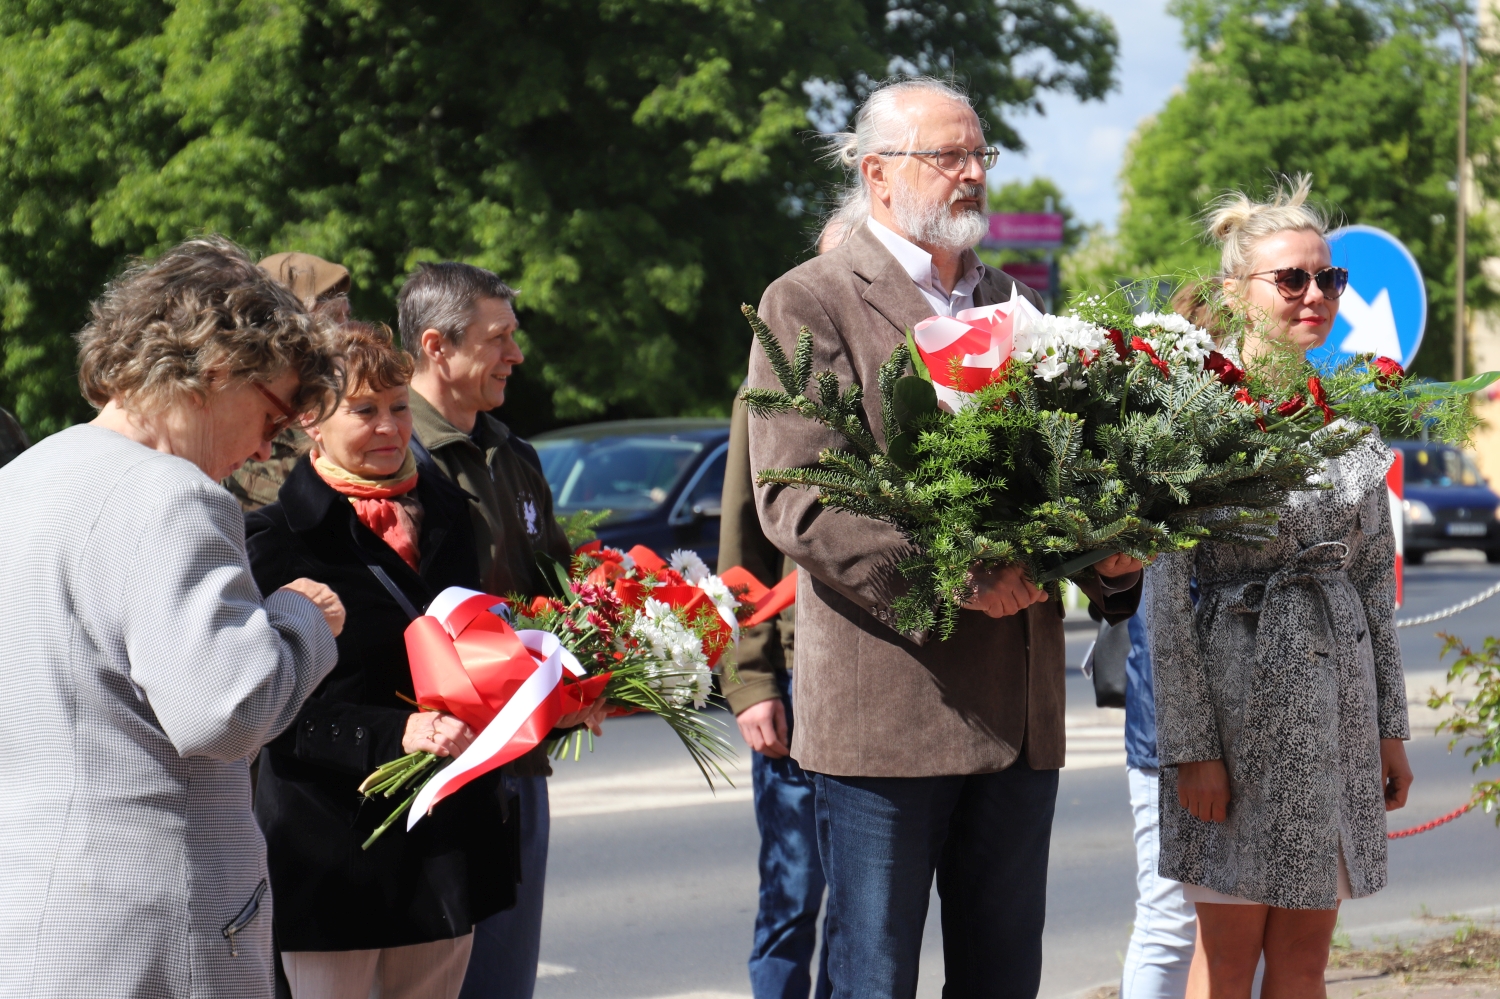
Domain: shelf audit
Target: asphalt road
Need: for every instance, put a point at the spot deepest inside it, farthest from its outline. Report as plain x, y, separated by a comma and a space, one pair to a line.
652, 882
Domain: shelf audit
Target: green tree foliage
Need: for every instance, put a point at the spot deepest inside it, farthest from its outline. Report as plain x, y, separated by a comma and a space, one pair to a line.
637, 167
1360, 93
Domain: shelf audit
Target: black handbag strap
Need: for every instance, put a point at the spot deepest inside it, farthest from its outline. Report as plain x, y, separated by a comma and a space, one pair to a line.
393, 590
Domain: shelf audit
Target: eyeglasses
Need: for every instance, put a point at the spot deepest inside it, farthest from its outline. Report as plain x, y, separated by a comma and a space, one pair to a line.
1292, 282
952, 158
275, 426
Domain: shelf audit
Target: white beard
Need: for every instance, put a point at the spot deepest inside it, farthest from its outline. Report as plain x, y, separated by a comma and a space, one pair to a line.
934, 224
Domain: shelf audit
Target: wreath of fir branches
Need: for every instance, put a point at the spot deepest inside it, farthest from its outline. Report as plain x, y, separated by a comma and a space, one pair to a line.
1052, 476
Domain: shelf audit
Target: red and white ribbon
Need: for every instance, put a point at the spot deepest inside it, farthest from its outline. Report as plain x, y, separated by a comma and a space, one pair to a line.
980, 340
528, 713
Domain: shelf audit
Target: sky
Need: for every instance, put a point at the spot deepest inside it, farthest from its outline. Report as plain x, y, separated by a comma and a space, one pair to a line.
1081, 146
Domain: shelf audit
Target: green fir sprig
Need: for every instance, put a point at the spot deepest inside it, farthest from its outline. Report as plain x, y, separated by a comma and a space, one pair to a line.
1052, 475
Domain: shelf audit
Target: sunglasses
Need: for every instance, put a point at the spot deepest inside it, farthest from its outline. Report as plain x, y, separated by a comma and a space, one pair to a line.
1293, 282
275, 425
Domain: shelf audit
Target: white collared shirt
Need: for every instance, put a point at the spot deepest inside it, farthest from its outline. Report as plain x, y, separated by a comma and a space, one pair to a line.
917, 262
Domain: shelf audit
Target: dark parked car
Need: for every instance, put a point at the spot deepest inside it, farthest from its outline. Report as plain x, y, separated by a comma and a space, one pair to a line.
663, 480
1447, 503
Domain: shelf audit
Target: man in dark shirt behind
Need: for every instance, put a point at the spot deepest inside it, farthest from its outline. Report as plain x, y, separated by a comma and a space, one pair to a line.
459, 323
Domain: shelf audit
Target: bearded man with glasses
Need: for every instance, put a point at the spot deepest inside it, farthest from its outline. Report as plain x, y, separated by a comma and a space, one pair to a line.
927, 757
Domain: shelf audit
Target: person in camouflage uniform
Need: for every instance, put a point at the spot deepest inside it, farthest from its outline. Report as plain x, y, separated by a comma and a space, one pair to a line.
322, 286
13, 439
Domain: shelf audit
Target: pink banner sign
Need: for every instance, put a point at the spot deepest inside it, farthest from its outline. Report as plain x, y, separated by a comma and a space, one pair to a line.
1035, 275
1025, 230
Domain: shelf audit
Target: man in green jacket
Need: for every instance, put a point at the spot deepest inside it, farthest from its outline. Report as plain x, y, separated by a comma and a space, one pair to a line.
459, 323
759, 694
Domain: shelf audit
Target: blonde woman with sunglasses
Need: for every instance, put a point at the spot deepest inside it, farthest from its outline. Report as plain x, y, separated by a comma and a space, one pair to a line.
1280, 700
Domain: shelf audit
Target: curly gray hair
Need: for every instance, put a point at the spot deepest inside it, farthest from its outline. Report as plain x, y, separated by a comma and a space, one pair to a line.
163, 326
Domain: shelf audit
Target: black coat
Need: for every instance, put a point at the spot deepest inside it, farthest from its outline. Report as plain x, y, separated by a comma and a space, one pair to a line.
461, 863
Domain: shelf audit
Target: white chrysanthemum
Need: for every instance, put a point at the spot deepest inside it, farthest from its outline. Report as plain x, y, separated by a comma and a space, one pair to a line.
1051, 342
682, 673
1169, 321
1050, 367
687, 562
1187, 341
1193, 345
1051, 334
727, 603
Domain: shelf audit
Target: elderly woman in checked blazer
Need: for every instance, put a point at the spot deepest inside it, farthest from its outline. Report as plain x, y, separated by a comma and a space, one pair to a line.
142, 667
1280, 701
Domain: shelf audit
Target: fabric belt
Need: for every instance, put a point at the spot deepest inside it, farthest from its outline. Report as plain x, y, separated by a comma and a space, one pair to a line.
1318, 564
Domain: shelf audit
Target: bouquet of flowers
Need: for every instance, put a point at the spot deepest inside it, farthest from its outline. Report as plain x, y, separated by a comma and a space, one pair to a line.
642, 634
1053, 441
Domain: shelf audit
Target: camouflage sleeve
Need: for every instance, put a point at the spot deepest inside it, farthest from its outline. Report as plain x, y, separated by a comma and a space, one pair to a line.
257, 483
12, 438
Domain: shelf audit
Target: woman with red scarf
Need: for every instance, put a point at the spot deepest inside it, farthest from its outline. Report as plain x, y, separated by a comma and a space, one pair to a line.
357, 513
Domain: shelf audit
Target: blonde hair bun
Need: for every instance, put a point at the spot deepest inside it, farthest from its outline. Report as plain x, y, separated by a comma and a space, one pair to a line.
1237, 223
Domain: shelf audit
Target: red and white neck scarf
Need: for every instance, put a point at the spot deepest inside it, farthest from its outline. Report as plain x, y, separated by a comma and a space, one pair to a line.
381, 504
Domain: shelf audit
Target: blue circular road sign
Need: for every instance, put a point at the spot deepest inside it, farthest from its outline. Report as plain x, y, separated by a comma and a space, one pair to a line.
1384, 309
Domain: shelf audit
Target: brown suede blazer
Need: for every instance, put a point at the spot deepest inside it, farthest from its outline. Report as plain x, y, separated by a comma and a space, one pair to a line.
871, 702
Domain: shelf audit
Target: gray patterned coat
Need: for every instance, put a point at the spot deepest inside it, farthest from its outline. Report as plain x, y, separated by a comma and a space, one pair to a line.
140, 671
1289, 670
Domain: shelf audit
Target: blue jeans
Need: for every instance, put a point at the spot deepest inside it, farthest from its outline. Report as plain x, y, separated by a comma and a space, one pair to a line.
986, 836
508, 944
791, 880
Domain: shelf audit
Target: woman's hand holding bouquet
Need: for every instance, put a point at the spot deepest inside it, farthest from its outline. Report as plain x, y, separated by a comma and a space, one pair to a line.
622, 633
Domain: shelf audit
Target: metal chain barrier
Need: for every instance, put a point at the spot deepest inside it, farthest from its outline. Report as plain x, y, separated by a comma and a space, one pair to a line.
1412, 622
1479, 598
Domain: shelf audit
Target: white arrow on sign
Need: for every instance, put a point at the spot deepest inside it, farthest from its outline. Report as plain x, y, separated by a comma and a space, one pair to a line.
1372, 325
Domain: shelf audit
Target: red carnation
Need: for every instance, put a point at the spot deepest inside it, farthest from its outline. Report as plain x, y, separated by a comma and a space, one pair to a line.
1315, 390
541, 604
1291, 407
1389, 372
1243, 395
1224, 368
1150, 351
1118, 339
